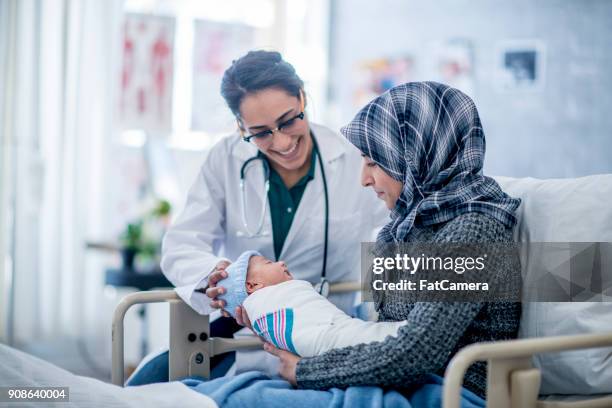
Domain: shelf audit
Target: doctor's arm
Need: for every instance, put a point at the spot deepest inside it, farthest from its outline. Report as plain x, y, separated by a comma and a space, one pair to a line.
188, 257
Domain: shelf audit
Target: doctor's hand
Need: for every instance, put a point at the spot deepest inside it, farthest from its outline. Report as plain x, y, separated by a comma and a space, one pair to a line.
288, 363
212, 291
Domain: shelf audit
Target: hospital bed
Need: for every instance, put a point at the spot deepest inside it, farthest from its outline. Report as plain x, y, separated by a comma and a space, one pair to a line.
23, 371
513, 381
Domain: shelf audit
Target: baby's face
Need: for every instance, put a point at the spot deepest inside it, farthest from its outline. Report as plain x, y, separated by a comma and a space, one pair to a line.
262, 272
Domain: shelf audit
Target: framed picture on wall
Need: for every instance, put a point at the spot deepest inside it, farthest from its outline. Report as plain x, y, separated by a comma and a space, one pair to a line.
451, 62
215, 45
147, 73
375, 76
521, 65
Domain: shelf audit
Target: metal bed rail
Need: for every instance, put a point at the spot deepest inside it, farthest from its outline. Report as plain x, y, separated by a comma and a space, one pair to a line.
191, 345
512, 381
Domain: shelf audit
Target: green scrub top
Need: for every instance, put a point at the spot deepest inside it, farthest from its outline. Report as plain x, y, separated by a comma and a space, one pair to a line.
284, 202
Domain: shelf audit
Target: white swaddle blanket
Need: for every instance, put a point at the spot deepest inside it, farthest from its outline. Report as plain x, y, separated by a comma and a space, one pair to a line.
294, 317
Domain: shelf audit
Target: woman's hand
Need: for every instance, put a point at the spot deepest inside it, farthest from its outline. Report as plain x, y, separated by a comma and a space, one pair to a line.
212, 291
288, 362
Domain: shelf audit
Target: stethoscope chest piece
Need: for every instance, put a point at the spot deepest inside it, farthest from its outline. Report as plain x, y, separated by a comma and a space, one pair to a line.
322, 287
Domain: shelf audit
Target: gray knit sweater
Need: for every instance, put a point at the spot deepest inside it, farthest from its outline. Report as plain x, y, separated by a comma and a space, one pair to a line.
435, 330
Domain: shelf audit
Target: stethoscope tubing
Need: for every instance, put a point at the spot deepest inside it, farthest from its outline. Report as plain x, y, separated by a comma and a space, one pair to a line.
267, 188
243, 196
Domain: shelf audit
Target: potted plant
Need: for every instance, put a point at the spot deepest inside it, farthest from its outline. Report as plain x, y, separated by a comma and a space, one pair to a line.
131, 243
162, 210
142, 239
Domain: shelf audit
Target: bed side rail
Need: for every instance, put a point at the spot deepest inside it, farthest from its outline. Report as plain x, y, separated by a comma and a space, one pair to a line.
191, 346
512, 381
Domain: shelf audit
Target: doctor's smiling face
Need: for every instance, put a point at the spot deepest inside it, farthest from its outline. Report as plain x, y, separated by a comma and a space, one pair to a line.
287, 148
263, 272
386, 187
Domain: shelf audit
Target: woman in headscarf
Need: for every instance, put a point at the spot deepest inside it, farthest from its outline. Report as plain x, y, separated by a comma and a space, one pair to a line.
423, 149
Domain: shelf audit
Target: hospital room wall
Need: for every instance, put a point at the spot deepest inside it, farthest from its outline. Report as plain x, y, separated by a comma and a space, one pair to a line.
562, 130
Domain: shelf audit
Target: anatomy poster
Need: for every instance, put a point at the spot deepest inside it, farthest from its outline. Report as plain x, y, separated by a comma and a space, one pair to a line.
146, 73
215, 46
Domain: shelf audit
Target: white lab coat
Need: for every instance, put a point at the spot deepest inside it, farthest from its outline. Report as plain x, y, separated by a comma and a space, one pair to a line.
210, 227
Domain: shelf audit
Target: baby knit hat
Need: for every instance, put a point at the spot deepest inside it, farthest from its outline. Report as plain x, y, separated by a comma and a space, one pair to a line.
235, 283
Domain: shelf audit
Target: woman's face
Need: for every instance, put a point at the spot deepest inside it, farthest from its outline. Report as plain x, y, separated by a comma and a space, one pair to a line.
290, 147
386, 187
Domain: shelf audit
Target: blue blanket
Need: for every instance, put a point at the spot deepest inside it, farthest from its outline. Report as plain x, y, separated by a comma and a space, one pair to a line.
254, 389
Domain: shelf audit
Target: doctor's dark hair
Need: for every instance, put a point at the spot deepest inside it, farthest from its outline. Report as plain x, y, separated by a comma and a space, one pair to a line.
256, 71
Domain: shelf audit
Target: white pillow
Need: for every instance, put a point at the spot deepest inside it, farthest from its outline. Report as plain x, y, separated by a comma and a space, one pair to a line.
566, 210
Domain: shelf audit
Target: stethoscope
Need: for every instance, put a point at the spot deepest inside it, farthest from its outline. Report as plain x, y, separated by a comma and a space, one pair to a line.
323, 286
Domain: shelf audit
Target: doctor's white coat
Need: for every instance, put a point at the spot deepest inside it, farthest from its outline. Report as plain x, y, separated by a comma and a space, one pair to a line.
210, 227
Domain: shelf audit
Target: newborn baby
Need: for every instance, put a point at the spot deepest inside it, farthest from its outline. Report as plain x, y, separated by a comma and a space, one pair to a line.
290, 314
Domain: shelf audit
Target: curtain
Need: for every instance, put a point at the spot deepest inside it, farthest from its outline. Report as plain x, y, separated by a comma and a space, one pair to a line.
7, 153
65, 76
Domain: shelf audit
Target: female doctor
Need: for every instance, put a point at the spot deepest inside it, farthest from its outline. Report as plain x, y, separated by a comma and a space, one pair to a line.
301, 203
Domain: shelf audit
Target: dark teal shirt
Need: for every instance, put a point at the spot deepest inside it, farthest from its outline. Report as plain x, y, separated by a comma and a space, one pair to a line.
284, 202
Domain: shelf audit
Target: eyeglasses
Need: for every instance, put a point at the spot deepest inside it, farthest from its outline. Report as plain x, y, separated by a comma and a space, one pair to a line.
287, 126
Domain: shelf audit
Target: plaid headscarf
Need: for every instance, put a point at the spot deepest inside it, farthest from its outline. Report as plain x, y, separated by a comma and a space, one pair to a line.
428, 136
